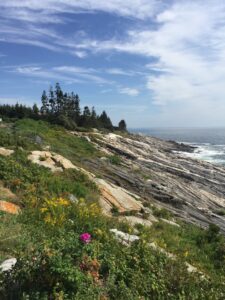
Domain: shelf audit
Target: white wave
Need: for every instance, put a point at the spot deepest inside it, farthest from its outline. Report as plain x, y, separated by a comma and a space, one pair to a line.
207, 152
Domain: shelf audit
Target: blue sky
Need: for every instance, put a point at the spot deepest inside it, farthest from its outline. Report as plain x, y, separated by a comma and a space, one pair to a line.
155, 63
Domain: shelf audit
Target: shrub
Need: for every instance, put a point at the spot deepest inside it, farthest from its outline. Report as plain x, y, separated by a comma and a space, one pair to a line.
115, 160
161, 213
220, 212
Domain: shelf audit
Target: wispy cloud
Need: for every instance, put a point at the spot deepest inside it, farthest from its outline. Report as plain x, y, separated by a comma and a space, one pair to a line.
129, 91
116, 71
24, 22
189, 47
80, 54
23, 9
41, 73
181, 41
84, 73
67, 74
72, 74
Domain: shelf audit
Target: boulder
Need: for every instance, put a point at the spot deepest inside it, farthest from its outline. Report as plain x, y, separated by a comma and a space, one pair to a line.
115, 196
64, 162
123, 237
133, 220
6, 194
51, 160
8, 264
170, 222
6, 152
9, 207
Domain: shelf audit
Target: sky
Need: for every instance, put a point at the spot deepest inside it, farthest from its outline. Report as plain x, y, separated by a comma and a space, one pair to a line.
155, 63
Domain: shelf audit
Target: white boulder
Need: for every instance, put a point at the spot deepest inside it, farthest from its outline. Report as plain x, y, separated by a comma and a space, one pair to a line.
8, 264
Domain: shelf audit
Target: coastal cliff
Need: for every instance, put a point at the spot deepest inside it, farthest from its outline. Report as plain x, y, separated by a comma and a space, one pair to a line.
159, 173
98, 215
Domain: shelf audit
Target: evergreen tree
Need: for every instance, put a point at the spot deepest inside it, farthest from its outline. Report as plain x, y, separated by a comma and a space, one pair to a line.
60, 108
52, 101
94, 120
45, 105
85, 119
35, 111
59, 99
77, 107
105, 121
122, 125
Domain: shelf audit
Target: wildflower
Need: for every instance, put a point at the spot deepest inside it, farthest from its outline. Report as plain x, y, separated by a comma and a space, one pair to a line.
43, 209
85, 237
98, 232
186, 253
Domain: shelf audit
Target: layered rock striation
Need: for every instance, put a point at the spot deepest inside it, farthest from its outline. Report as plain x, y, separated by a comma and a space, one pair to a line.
160, 174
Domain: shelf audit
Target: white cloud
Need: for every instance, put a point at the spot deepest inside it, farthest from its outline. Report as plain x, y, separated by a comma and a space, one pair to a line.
25, 22
116, 71
38, 72
80, 54
84, 73
183, 40
129, 91
67, 74
188, 45
43, 8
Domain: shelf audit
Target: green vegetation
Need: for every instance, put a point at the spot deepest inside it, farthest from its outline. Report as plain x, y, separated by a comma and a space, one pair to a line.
220, 212
52, 261
54, 264
205, 249
33, 183
115, 160
62, 109
24, 133
122, 125
10, 232
161, 212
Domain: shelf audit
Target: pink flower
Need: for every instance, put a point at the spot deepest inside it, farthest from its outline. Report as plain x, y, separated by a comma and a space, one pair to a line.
85, 237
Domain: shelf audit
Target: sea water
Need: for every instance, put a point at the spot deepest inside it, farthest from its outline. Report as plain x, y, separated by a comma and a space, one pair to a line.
209, 142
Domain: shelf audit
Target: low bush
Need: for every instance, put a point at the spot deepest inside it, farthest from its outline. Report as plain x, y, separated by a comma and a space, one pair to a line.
115, 160
55, 263
59, 265
161, 213
34, 183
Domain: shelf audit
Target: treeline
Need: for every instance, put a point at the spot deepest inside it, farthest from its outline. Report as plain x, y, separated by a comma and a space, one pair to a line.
62, 109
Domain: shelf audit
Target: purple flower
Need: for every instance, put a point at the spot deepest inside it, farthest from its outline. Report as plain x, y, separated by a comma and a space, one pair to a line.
85, 237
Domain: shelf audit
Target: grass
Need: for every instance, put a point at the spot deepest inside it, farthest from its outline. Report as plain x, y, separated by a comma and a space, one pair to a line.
161, 213
10, 231
52, 261
191, 244
115, 160
6, 194
220, 212
59, 140
32, 182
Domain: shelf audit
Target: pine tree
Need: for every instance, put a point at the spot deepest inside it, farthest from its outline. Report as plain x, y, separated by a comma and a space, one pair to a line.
52, 101
94, 121
122, 125
105, 121
45, 105
35, 111
77, 107
59, 99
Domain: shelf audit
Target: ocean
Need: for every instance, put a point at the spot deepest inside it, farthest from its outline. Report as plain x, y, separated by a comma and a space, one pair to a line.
210, 142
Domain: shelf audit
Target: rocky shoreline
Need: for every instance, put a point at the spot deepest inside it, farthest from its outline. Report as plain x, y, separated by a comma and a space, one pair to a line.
160, 174
136, 173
